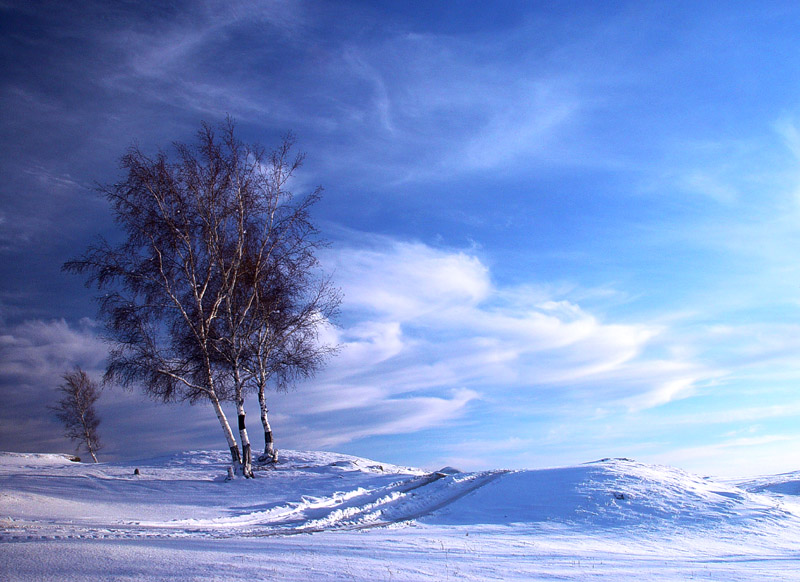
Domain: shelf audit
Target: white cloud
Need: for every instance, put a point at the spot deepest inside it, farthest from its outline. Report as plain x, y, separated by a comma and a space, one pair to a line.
440, 103
442, 100
738, 457
664, 392
520, 132
372, 341
40, 350
380, 416
423, 322
35, 354
426, 333
703, 182
408, 281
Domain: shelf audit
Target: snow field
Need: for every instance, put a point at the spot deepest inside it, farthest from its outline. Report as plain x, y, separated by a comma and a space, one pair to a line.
325, 516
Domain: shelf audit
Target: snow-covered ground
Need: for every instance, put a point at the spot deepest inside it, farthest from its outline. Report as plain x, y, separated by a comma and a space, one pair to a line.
326, 516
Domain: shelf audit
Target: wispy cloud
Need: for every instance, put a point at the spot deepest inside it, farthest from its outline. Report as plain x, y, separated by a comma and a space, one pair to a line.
39, 350
443, 104
35, 354
375, 417
733, 457
421, 323
399, 94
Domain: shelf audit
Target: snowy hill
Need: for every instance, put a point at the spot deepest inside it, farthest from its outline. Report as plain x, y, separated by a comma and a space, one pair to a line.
610, 494
785, 483
616, 508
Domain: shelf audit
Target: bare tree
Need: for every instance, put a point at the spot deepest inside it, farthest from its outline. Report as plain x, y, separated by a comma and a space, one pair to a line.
164, 285
270, 319
285, 346
76, 410
181, 300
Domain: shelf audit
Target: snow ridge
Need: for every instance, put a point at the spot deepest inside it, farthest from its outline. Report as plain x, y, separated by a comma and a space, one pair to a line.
185, 495
180, 520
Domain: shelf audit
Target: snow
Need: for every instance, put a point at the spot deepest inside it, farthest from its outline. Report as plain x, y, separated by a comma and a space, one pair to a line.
327, 516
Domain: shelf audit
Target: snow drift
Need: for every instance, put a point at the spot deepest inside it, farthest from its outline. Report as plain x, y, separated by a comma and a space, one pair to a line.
617, 504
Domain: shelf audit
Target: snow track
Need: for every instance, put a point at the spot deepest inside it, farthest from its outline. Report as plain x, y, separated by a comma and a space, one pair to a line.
401, 502
185, 496
370, 506
177, 518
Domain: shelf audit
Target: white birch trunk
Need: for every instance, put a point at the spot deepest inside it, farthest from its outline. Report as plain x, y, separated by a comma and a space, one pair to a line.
247, 456
270, 455
90, 447
236, 459
88, 438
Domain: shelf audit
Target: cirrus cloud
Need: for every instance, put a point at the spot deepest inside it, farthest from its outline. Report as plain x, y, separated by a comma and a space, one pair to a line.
428, 335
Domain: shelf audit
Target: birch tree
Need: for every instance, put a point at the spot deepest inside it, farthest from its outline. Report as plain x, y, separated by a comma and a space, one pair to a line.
76, 410
269, 333
285, 346
181, 295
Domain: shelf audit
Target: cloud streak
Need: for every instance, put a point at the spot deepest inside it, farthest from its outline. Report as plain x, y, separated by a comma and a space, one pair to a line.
427, 334
445, 300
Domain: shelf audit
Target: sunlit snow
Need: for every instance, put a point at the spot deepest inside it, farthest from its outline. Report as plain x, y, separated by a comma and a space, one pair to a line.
327, 516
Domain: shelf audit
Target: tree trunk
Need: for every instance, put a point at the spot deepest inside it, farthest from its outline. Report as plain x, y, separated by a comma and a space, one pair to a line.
247, 457
89, 440
270, 455
236, 459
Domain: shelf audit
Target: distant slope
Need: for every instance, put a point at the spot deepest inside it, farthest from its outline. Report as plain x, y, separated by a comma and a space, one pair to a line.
613, 493
785, 484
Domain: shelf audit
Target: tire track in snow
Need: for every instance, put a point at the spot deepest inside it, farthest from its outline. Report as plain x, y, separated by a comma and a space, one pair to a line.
389, 505
357, 509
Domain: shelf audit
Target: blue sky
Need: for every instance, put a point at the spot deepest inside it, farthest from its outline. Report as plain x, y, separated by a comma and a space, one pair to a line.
564, 231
